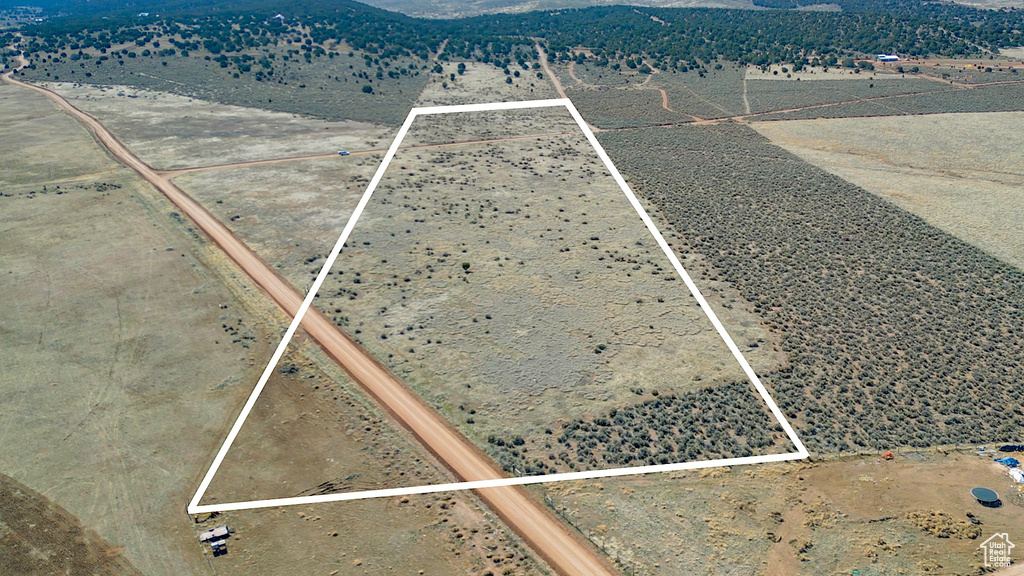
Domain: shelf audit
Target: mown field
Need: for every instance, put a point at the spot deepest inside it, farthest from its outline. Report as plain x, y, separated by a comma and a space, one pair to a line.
973, 194
898, 334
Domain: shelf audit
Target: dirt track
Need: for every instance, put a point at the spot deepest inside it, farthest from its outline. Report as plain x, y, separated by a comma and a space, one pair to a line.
549, 537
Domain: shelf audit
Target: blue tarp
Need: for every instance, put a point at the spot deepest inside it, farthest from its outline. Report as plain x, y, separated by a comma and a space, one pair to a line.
1011, 462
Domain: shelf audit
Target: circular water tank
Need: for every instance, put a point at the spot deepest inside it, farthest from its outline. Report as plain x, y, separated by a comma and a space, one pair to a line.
985, 495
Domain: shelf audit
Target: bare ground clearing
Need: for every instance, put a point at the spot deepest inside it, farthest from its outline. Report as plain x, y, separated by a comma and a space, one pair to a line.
831, 517
960, 172
170, 131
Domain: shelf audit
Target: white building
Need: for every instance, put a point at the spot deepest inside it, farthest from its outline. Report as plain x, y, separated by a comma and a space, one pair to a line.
887, 58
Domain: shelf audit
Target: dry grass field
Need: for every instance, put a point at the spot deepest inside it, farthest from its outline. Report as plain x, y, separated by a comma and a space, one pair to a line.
130, 348
286, 212
480, 83
313, 433
169, 131
474, 268
498, 369
960, 172
906, 516
117, 374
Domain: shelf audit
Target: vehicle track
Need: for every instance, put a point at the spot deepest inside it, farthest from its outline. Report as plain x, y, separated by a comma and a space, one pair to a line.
548, 536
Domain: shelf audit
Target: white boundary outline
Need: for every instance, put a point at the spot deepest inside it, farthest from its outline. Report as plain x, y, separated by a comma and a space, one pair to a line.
801, 453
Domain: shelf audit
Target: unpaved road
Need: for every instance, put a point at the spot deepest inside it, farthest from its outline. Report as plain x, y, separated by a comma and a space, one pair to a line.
546, 534
543, 57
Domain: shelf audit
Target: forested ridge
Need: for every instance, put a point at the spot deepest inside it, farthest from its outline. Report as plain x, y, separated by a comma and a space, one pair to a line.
672, 38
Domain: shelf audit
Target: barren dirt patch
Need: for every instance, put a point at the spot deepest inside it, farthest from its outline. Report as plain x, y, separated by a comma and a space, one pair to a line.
834, 517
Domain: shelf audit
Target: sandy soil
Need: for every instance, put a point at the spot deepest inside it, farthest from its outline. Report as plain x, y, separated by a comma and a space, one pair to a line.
170, 131
844, 515
960, 172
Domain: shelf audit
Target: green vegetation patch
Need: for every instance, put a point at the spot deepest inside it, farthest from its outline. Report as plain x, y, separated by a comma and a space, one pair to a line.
721, 422
712, 90
897, 333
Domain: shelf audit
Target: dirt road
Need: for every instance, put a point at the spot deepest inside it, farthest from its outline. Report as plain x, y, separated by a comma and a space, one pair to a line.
549, 537
543, 56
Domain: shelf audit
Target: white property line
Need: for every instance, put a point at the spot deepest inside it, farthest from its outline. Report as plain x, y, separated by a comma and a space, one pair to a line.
195, 508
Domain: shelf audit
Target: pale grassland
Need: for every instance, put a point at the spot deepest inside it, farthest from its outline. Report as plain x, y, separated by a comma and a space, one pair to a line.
129, 343
482, 83
960, 172
1014, 53
170, 131
116, 375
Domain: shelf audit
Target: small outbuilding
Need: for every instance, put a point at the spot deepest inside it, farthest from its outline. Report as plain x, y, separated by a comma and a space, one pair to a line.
887, 58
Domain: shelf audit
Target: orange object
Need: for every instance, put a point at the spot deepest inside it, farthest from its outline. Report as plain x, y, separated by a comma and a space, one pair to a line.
888, 456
